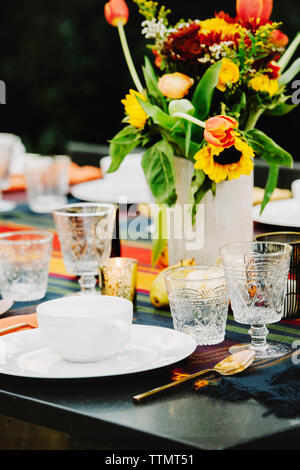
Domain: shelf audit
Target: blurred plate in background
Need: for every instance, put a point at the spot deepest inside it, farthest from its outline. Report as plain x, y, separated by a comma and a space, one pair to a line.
127, 182
284, 213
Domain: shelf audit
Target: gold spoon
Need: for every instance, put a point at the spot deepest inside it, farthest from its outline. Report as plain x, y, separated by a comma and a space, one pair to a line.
231, 365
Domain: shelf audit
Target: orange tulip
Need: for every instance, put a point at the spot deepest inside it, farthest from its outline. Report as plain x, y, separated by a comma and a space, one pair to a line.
250, 9
175, 85
116, 12
278, 38
219, 131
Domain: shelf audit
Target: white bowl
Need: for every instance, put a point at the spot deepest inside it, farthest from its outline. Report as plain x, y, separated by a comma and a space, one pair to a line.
85, 328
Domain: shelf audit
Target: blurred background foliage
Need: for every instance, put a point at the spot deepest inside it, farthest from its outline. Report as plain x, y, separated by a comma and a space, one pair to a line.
65, 74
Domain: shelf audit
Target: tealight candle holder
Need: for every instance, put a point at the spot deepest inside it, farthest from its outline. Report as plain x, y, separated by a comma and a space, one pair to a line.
118, 277
291, 307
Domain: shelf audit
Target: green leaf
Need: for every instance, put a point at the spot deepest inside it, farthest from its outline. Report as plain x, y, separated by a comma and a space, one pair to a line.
239, 106
288, 76
180, 143
158, 166
159, 239
203, 94
152, 85
267, 149
158, 116
200, 185
123, 143
270, 186
281, 109
181, 106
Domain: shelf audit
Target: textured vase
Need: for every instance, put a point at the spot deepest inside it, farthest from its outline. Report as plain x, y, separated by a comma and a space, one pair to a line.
221, 219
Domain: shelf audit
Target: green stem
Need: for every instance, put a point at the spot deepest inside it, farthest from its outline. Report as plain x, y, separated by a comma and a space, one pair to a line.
128, 58
284, 60
190, 118
253, 116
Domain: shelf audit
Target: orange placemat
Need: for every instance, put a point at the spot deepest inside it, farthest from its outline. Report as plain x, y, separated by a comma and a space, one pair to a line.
78, 174
30, 321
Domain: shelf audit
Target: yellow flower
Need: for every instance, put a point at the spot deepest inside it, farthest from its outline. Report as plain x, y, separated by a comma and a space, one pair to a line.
137, 116
264, 84
219, 25
229, 163
229, 73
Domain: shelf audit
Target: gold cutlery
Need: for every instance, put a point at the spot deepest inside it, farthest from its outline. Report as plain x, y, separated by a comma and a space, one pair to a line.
233, 364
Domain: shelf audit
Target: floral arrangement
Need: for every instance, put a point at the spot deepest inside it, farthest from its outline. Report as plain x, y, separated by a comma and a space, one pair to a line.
211, 81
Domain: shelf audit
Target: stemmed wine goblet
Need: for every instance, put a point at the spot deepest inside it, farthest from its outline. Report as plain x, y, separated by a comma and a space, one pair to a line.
256, 275
85, 232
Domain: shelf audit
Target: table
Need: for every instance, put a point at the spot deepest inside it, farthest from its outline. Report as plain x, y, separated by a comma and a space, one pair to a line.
102, 410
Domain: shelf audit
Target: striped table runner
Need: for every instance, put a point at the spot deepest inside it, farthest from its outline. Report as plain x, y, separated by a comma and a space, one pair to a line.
60, 283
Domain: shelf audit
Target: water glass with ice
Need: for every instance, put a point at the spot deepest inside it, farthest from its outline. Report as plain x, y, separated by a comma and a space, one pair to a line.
24, 264
198, 302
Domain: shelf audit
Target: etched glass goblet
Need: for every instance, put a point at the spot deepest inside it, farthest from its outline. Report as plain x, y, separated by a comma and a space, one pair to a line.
256, 275
85, 231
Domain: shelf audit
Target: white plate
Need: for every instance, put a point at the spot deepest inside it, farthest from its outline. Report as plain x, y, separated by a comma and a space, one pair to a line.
108, 189
285, 213
24, 354
127, 182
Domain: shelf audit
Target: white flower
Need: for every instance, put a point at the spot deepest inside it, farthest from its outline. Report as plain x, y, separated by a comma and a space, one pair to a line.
216, 51
154, 29
204, 59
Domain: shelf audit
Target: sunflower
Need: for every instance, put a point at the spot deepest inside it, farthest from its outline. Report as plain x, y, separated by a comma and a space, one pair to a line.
264, 84
220, 163
133, 109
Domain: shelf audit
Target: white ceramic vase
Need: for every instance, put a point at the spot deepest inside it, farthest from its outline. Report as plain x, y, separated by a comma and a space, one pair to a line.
221, 219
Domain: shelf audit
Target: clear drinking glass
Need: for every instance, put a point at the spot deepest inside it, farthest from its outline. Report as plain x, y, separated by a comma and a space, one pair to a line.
85, 232
47, 182
291, 307
6, 153
256, 274
198, 302
24, 264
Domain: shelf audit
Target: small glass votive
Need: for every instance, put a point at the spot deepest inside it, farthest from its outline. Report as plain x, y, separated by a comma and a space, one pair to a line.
24, 264
198, 302
47, 182
291, 306
118, 277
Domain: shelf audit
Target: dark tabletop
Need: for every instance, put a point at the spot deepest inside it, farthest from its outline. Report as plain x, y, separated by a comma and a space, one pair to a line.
102, 409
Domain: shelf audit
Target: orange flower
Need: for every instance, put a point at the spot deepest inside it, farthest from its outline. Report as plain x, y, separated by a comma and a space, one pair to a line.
219, 131
250, 9
158, 59
116, 12
175, 85
278, 38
